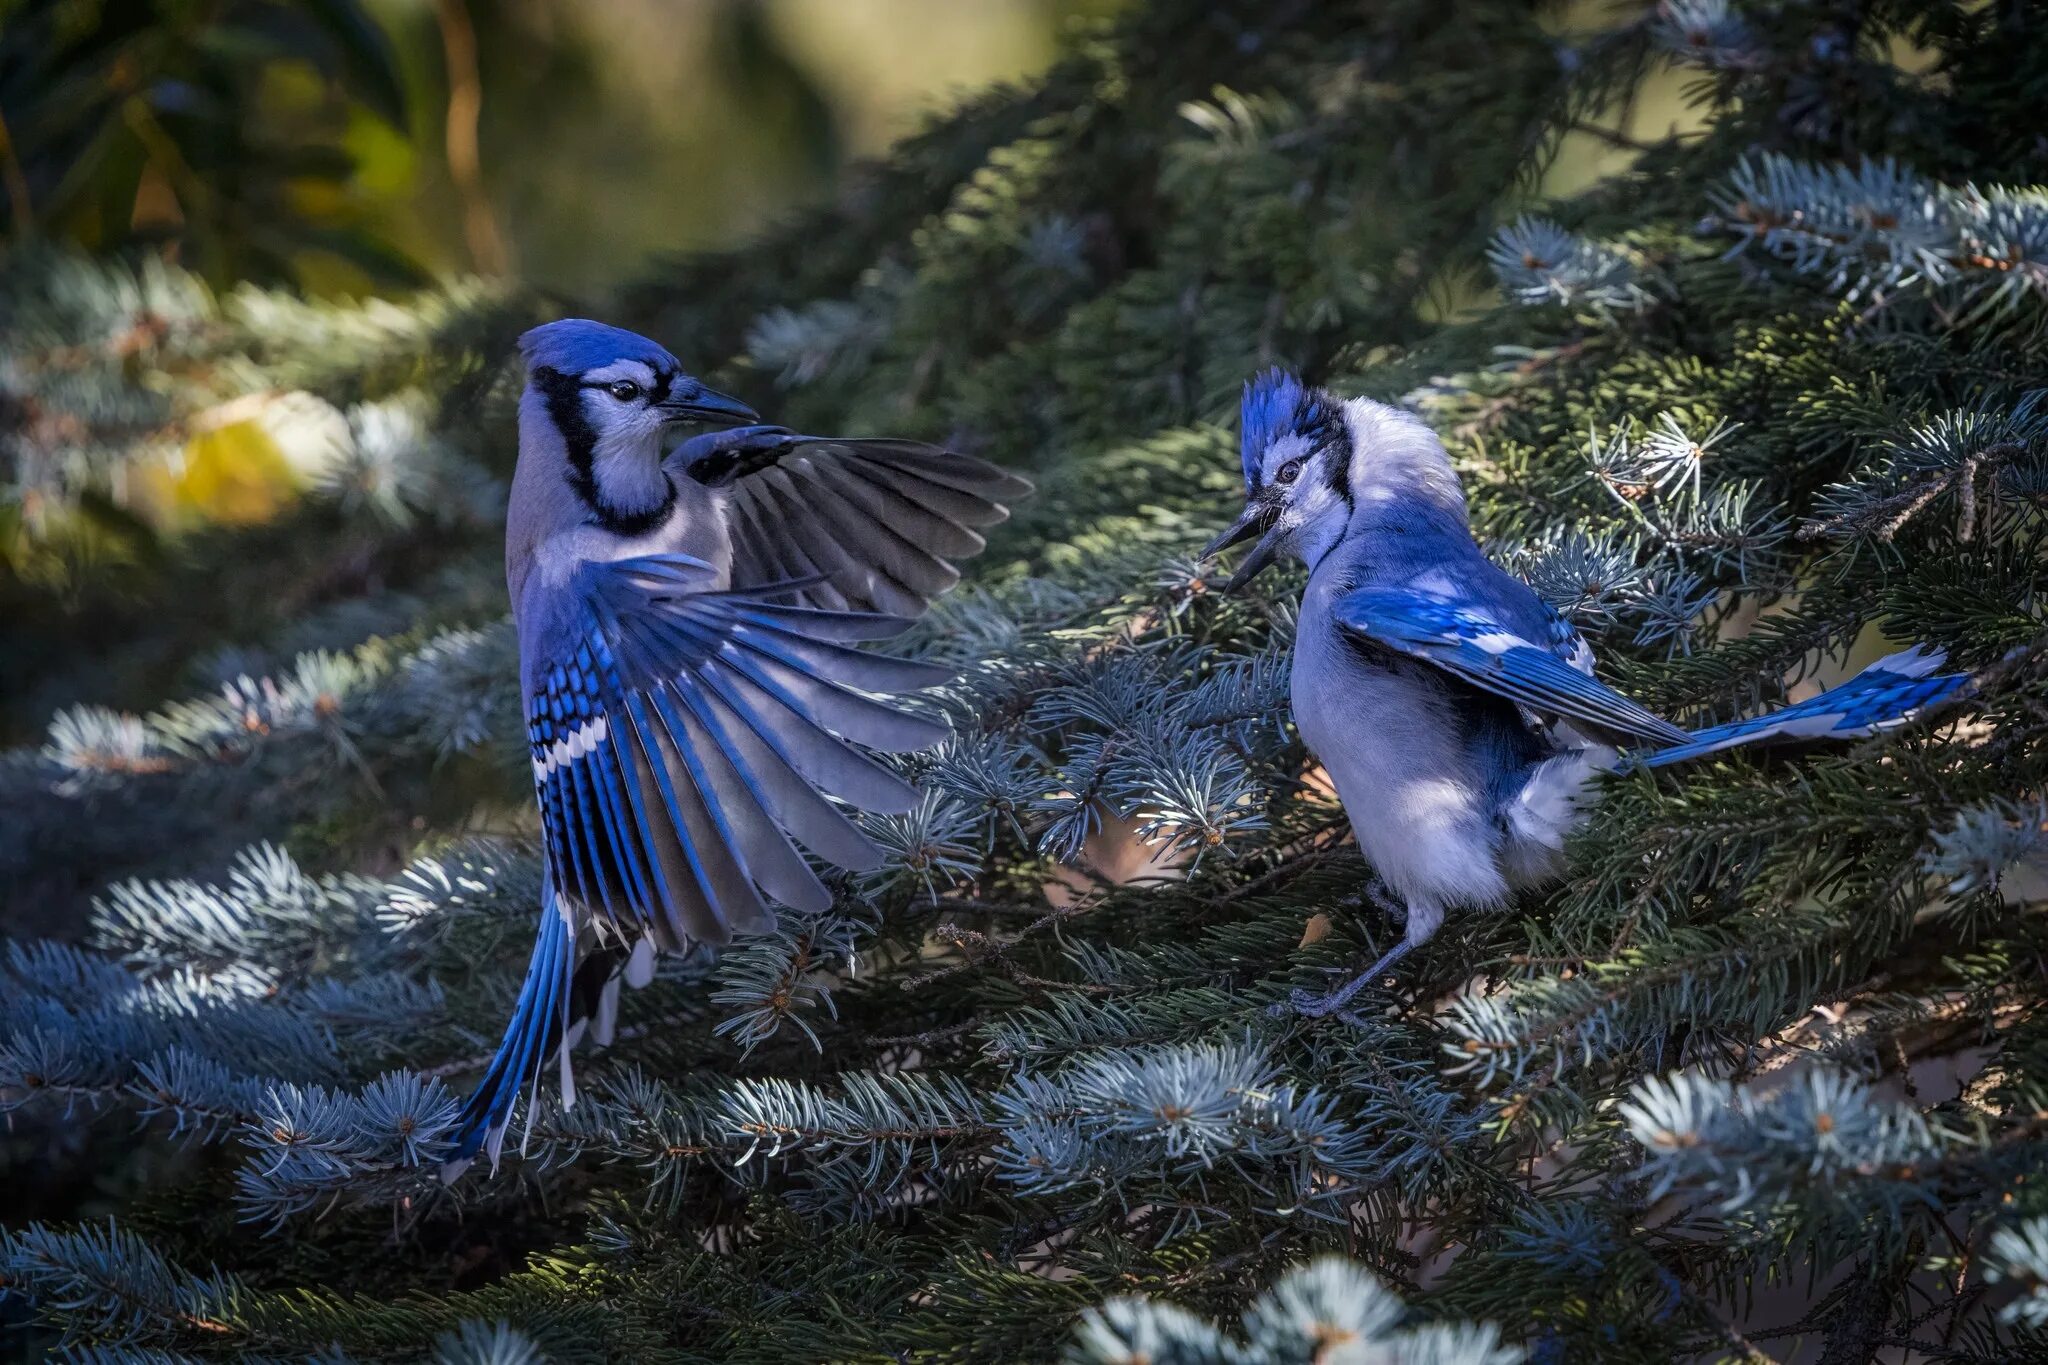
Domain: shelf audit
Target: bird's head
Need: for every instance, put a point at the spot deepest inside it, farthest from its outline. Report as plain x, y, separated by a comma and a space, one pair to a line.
1296, 448
611, 396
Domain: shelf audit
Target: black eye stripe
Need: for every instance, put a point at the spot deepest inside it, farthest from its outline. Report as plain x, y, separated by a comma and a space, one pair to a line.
1337, 474
657, 391
1333, 445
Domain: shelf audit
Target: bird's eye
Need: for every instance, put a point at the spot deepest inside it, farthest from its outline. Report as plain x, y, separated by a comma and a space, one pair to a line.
1289, 472
625, 390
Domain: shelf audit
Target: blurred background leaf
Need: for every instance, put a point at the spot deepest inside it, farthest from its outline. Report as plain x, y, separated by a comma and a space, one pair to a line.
352, 146
232, 161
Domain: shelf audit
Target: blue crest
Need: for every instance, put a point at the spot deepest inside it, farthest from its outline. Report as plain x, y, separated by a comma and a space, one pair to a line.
575, 345
1275, 403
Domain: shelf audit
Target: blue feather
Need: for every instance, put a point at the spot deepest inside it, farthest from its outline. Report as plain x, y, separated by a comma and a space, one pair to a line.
701, 851
1479, 648
621, 828
688, 726
596, 838
560, 801
821, 828
1275, 403
575, 345
537, 1019
1883, 696
644, 710
675, 733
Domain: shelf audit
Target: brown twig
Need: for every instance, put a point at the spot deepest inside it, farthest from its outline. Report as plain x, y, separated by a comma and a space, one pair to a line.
981, 949
1887, 517
15, 180
465, 160
929, 1036
1316, 852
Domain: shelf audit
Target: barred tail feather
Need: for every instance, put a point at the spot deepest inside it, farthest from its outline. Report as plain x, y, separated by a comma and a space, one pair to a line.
539, 1021
1887, 694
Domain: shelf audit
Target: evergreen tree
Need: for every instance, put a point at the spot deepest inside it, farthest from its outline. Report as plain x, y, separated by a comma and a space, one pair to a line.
1770, 1068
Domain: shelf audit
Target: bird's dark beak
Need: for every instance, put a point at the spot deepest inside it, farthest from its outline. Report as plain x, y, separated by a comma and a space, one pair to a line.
1249, 523
699, 404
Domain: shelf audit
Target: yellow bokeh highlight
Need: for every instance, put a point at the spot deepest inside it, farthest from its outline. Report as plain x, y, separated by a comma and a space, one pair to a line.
235, 474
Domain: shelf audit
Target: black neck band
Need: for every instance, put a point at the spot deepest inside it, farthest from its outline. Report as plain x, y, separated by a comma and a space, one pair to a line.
563, 395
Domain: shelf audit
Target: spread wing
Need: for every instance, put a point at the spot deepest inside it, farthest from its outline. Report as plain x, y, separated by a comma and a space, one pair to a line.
879, 523
1550, 676
681, 739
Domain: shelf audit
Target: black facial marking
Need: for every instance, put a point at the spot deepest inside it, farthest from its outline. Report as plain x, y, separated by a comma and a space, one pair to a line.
1321, 423
563, 394
1316, 418
1337, 469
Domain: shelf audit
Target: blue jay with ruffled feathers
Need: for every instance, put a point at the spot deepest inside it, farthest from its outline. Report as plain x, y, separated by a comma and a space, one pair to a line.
696, 710
1456, 713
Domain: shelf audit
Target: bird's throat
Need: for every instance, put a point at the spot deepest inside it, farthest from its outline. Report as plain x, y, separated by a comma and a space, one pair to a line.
620, 481
630, 494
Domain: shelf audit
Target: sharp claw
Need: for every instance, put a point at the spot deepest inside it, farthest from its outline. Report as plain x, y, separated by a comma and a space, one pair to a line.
1309, 1005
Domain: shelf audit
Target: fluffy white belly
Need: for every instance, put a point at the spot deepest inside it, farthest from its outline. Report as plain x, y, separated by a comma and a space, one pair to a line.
1399, 761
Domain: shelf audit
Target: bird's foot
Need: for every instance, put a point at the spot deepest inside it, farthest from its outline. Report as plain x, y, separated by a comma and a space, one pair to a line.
1317, 1005
1309, 1005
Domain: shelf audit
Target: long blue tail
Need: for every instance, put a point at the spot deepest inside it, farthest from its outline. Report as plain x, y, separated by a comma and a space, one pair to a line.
1887, 694
539, 1021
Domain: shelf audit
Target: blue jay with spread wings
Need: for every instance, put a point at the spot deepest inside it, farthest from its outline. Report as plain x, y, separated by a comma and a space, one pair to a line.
1456, 713
697, 711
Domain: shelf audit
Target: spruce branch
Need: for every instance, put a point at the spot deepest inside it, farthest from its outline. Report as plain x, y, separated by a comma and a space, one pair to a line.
1327, 1309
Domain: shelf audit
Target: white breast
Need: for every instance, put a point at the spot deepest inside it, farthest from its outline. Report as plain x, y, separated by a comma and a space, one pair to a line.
1397, 757
695, 527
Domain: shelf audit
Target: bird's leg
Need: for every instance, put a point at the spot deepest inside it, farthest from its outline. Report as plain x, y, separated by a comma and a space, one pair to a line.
1383, 896
1421, 922
1309, 1005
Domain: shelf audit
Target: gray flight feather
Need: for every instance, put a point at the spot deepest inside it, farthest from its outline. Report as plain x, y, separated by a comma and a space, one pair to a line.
698, 716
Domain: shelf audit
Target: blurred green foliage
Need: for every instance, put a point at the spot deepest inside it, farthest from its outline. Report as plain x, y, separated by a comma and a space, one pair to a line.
219, 127
317, 146
355, 146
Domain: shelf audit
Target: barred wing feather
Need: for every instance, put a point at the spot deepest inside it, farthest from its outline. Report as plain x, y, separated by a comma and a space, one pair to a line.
879, 523
682, 739
1472, 645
